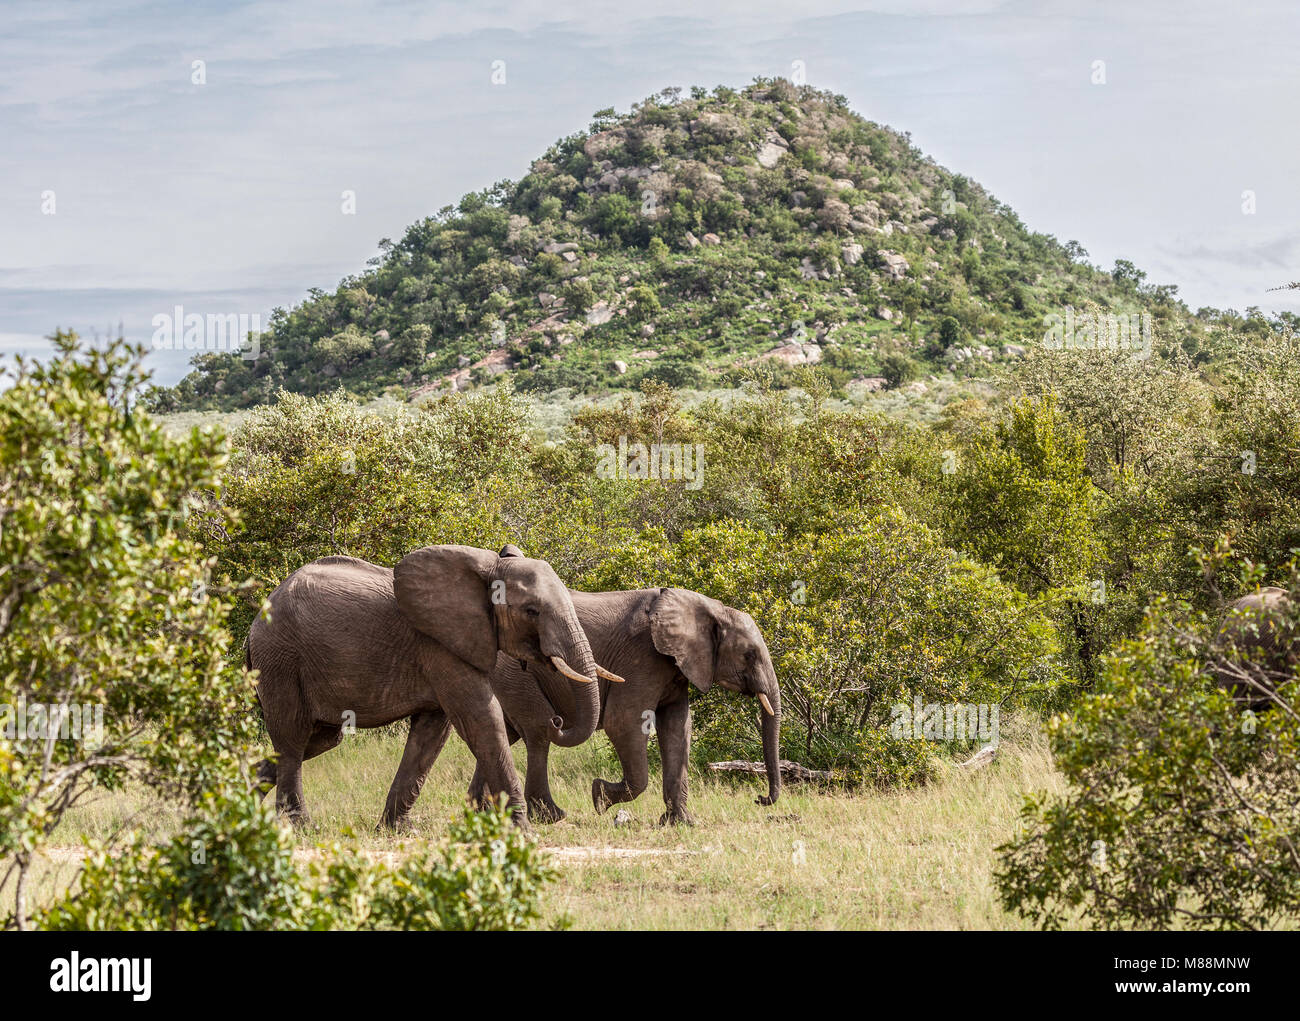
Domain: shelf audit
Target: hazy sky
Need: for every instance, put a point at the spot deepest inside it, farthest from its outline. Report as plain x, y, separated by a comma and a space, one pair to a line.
226, 196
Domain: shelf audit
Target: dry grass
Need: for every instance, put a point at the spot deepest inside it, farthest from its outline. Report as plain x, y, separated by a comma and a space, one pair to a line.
918, 859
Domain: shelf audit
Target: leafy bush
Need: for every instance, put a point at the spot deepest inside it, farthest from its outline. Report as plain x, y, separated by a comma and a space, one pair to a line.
1181, 807
108, 609
232, 868
874, 614
1022, 500
898, 369
484, 876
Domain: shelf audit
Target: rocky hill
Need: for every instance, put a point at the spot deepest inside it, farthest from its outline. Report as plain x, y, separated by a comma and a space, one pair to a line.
688, 240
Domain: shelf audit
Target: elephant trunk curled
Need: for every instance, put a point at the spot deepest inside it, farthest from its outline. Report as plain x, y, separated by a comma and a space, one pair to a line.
772, 742
572, 649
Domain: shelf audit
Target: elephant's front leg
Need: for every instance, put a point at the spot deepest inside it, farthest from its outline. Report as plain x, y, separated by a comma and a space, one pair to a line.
537, 784
674, 728
478, 789
629, 735
482, 727
427, 735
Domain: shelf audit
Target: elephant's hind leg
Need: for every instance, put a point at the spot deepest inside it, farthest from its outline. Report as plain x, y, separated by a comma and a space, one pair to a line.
323, 738
288, 786
290, 751
629, 743
427, 736
478, 790
264, 773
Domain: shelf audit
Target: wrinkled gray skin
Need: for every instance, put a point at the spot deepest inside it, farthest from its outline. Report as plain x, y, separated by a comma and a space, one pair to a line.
1257, 629
351, 642
659, 640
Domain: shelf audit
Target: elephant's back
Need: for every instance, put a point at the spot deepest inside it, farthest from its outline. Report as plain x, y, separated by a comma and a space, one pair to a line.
336, 580
1261, 609
337, 636
329, 603
1270, 597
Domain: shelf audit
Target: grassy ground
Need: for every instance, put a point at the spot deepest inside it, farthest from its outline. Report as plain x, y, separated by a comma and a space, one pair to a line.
917, 859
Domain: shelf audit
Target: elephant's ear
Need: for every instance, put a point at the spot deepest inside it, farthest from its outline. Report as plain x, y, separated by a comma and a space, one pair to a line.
683, 626
443, 592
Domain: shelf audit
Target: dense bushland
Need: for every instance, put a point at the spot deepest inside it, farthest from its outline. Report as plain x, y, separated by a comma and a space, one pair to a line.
993, 557
1062, 548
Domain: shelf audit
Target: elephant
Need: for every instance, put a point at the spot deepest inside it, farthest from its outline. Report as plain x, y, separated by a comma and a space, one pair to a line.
1259, 646
350, 642
659, 639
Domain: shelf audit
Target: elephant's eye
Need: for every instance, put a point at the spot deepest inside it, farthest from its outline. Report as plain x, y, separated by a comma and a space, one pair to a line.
532, 611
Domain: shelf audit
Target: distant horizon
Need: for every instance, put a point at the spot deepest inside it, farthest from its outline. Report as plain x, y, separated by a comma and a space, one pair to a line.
225, 195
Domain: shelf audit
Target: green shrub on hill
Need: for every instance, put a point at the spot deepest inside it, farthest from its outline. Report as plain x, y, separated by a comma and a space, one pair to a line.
722, 220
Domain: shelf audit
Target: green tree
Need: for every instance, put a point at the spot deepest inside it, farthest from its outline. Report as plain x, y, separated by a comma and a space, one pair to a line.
578, 295
949, 332
615, 217
1021, 499
413, 344
644, 303
110, 616
899, 369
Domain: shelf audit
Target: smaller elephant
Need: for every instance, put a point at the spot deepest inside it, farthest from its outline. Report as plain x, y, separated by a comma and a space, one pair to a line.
662, 641
1259, 646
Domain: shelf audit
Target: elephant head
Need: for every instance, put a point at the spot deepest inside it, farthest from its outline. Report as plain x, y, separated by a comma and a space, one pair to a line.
1258, 646
712, 642
477, 603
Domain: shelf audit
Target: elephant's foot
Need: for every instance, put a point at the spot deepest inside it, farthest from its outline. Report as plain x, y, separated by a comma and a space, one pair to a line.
520, 819
299, 819
545, 811
600, 796
676, 817
399, 825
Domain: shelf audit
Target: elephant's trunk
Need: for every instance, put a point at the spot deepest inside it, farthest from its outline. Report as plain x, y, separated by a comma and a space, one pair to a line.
572, 649
771, 701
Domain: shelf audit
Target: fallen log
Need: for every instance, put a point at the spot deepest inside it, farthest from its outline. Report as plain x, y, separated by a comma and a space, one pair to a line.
792, 771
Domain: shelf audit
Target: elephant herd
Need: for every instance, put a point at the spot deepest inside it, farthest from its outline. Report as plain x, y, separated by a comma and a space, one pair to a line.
495, 646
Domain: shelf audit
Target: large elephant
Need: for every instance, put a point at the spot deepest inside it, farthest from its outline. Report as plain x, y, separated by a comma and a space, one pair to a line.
659, 639
1259, 646
348, 642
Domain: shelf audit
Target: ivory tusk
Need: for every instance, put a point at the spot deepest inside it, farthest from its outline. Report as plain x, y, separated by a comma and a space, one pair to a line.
767, 706
607, 675
569, 672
